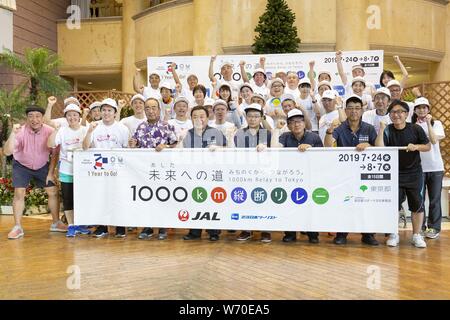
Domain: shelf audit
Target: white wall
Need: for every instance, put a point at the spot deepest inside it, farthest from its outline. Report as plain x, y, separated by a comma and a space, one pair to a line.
6, 27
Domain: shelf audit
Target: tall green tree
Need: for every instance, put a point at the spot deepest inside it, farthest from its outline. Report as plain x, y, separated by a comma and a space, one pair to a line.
276, 30
39, 66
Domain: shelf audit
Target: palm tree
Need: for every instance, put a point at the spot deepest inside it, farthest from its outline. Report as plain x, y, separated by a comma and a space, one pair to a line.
39, 66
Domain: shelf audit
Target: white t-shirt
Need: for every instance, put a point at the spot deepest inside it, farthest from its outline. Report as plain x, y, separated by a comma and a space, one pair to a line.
181, 127
366, 98
69, 140
295, 92
432, 160
371, 117
262, 90
308, 105
132, 123
110, 137
167, 106
325, 122
228, 129
185, 92
149, 92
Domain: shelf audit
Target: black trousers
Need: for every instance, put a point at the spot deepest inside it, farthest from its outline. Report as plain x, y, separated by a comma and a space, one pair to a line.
310, 234
198, 232
345, 234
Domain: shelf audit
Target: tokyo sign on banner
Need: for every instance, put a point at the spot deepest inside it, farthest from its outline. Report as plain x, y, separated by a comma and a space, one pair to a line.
324, 189
372, 61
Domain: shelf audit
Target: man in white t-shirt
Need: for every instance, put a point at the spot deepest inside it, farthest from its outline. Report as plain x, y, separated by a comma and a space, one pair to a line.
107, 134
182, 91
331, 113
396, 94
166, 101
357, 71
152, 90
220, 109
310, 105
375, 116
292, 84
259, 82
132, 122
226, 72
181, 123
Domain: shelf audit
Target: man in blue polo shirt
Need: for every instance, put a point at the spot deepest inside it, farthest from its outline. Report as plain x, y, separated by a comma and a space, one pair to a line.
353, 132
299, 138
203, 136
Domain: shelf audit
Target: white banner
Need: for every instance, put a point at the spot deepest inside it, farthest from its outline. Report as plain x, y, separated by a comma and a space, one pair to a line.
325, 189
372, 61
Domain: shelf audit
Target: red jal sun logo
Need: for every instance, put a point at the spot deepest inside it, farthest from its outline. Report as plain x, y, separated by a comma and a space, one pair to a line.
183, 215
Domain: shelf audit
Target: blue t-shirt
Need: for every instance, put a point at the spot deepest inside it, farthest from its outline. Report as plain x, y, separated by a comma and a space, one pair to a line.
345, 137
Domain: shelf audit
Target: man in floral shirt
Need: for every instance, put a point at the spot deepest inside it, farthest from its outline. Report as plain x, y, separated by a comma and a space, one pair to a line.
153, 133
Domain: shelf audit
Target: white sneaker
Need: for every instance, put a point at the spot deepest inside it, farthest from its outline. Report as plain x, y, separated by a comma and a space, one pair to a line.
431, 233
418, 242
393, 240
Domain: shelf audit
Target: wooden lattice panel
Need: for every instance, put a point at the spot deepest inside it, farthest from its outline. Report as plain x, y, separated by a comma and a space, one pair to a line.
86, 98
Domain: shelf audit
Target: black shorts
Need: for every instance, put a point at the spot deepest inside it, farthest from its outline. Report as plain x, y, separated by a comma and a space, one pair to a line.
22, 176
410, 186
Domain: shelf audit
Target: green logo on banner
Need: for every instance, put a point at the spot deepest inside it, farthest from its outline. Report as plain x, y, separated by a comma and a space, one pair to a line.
320, 196
278, 195
363, 188
199, 194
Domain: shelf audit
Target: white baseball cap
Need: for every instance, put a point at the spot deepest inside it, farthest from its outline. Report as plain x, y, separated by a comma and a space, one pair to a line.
274, 81
305, 80
96, 104
295, 113
253, 107
329, 94
70, 100
208, 102
358, 79
165, 85
246, 85
180, 99
226, 63
72, 107
383, 90
287, 96
260, 70
323, 72
224, 84
357, 66
138, 96
154, 73
353, 97
109, 102
324, 83
393, 83
259, 95
421, 101
219, 102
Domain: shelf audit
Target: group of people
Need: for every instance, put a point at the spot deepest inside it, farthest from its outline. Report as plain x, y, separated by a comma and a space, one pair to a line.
257, 113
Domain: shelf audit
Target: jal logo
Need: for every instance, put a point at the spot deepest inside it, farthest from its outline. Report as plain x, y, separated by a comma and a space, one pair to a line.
206, 216
235, 216
183, 215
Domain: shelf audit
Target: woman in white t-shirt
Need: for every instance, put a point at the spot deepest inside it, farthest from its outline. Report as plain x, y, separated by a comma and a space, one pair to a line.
69, 138
432, 165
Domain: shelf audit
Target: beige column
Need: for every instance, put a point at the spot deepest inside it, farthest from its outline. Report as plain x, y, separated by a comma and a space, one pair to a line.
441, 71
351, 25
130, 8
208, 26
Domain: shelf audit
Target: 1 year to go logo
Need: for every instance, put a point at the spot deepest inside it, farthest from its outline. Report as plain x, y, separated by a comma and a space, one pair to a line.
183, 215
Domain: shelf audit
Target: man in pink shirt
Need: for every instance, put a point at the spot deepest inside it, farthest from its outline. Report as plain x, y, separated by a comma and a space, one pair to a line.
28, 145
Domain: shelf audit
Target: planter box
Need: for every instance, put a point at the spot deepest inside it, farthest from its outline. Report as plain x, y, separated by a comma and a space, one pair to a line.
6, 210
35, 210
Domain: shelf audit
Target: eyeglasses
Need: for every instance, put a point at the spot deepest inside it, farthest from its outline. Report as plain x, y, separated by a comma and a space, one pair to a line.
294, 122
395, 90
397, 112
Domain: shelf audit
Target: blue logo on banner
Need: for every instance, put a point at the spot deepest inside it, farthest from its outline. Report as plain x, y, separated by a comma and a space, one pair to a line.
340, 90
299, 195
239, 195
235, 216
300, 75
